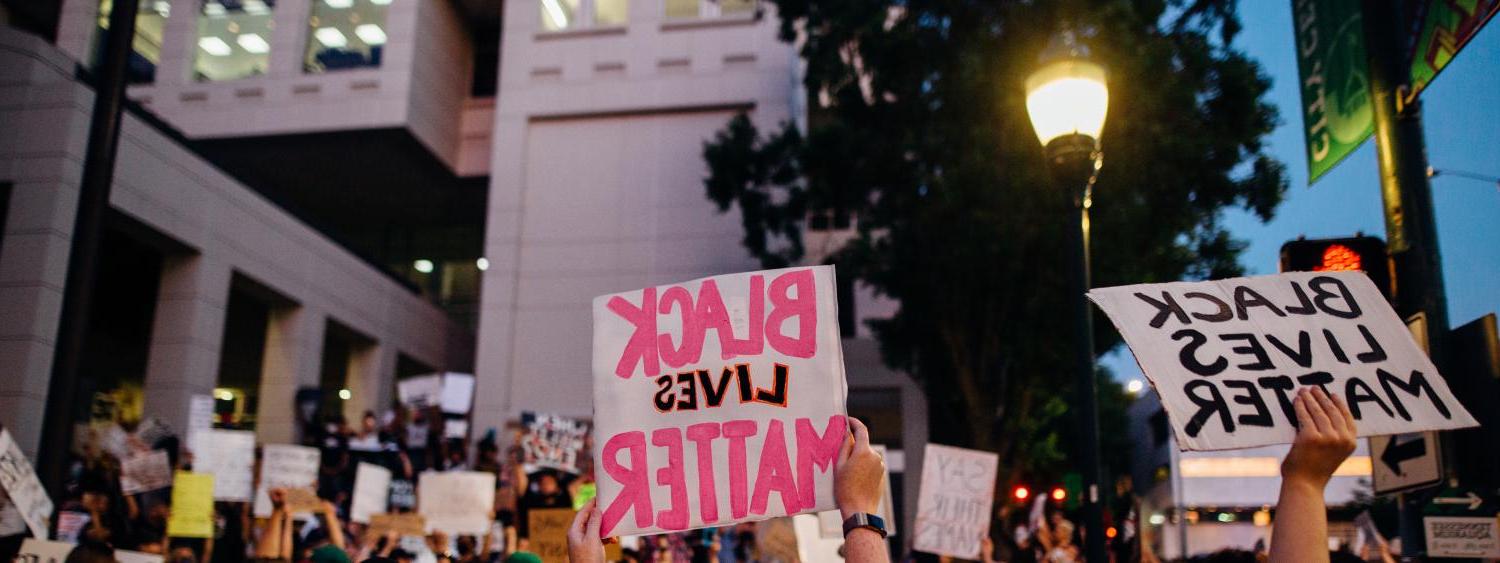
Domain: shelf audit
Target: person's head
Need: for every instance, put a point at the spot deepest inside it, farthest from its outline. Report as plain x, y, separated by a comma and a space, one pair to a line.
91, 552
403, 556
546, 483
181, 554
368, 423
523, 557
1062, 533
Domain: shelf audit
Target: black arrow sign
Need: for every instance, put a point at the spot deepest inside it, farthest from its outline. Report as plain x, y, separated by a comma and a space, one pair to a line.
1397, 451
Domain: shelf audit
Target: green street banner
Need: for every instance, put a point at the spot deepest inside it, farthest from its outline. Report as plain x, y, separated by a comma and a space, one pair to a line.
1440, 28
1337, 114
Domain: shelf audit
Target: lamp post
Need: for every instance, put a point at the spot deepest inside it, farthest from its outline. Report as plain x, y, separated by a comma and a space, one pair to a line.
1067, 99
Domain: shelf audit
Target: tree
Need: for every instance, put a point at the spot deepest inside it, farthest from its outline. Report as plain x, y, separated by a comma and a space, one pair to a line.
919, 131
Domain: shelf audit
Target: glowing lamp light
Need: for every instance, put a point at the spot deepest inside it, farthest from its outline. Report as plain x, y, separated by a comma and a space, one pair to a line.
214, 46
345, 394
424, 266
1067, 97
1058, 494
331, 37
1157, 519
1262, 518
482, 263
1134, 386
224, 395
1021, 493
1111, 532
253, 43
370, 33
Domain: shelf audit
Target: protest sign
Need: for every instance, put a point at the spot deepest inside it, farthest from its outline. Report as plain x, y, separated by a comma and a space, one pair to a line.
457, 502
288, 467
1228, 356
200, 413
372, 489
70, 525
151, 431
548, 531
43, 551
405, 524
22, 486
228, 455
953, 509
11, 522
458, 393
147, 471
718, 400
1462, 536
192, 506
125, 556
403, 494
420, 391
551, 441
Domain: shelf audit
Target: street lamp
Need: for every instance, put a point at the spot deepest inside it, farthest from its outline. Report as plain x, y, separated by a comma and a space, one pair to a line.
1067, 99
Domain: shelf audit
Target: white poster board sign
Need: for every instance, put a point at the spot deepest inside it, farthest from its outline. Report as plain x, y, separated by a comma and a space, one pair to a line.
200, 413
372, 490
228, 455
146, 471
288, 467
22, 486
420, 391
1462, 536
125, 556
457, 502
1228, 356
458, 393
718, 400
43, 551
953, 507
551, 441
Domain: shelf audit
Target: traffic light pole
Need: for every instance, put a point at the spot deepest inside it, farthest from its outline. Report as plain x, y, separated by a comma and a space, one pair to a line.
1410, 224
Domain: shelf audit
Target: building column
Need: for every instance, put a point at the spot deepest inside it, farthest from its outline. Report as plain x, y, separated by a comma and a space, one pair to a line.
186, 334
293, 356
372, 375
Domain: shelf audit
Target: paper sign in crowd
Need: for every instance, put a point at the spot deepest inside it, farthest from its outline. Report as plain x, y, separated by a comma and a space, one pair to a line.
552, 441
22, 487
146, 471
288, 467
548, 530
192, 513
1227, 356
452, 392
718, 400
372, 487
457, 502
229, 456
953, 511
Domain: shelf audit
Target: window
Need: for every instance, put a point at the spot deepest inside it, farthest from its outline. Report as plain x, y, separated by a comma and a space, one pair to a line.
345, 34
150, 20
234, 39
558, 15
688, 9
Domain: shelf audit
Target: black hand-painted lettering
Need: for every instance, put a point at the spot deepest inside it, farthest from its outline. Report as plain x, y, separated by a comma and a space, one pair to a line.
1245, 298
1251, 396
1302, 355
713, 395
1281, 386
1319, 378
1262, 361
1323, 295
1376, 353
1167, 307
1415, 387
1356, 391
1223, 313
1190, 361
664, 398
1333, 346
1207, 407
1304, 305
688, 383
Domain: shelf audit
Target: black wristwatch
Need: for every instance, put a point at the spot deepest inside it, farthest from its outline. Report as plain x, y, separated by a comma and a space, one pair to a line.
863, 520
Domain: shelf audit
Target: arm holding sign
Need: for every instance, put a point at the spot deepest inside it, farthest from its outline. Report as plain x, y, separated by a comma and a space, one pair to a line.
857, 488
1325, 438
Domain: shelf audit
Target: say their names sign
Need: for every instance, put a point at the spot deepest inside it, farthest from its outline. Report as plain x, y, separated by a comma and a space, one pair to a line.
718, 400
1228, 356
953, 510
22, 488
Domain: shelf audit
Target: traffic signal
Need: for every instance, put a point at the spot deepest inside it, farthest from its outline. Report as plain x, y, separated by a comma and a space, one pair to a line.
1362, 253
1021, 493
1058, 494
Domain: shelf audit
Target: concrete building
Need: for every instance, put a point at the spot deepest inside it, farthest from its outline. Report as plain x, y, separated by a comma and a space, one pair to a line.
511, 165
1222, 499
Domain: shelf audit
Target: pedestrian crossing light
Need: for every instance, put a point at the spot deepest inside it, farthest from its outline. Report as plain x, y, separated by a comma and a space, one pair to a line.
1059, 495
1357, 253
1021, 493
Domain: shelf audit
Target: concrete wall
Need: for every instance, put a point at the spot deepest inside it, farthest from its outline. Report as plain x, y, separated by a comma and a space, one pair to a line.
228, 230
426, 45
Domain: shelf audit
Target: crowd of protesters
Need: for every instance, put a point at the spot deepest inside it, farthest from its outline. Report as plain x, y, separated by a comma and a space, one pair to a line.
410, 442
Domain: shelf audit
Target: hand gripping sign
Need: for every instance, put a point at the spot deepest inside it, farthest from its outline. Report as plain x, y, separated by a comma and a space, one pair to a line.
1227, 356
718, 400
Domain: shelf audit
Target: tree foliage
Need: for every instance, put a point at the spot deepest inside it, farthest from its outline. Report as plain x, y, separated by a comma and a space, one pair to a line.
919, 130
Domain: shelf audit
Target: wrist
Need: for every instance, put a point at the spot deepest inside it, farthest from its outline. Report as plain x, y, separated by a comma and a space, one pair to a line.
1303, 483
845, 513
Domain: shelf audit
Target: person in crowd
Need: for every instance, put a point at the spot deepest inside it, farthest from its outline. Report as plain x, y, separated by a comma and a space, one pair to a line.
543, 490
857, 480
1056, 539
1325, 438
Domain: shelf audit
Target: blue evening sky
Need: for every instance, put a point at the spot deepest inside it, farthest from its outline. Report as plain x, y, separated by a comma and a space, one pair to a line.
1461, 111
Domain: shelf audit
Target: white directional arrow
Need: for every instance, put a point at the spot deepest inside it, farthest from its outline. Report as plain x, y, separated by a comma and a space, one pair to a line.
1470, 499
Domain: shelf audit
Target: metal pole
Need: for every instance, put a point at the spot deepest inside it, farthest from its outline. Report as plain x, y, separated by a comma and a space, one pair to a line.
1083, 359
1410, 224
93, 203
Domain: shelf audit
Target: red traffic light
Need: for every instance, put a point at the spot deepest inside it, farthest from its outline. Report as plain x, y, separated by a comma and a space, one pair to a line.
1357, 253
1058, 494
1021, 492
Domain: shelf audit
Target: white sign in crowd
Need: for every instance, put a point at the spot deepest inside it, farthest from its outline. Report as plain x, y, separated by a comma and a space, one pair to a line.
953, 511
22, 488
372, 487
1227, 356
229, 455
284, 466
717, 400
457, 502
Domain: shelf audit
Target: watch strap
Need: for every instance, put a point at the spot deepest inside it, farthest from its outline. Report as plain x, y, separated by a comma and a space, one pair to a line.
864, 520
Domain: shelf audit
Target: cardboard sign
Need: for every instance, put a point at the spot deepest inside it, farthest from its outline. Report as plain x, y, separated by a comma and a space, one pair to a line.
288, 467
192, 506
1228, 356
43, 551
405, 524
23, 488
148, 471
1462, 536
551, 441
718, 400
420, 391
11, 522
228, 455
953, 509
125, 556
372, 490
548, 528
457, 502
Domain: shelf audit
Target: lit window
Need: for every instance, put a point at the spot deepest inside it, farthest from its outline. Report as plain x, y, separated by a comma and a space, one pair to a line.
689, 9
150, 20
344, 34
234, 39
574, 14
